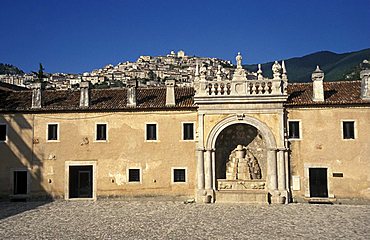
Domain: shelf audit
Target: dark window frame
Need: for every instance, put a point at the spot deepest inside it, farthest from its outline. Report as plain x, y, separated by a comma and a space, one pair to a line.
151, 132
348, 130
179, 175
53, 132
294, 129
134, 175
101, 131
188, 131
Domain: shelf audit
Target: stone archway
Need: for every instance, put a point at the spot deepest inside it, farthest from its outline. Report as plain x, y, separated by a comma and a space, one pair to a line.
259, 128
227, 141
262, 127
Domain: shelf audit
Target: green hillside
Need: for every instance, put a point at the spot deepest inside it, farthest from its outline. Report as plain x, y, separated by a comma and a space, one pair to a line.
9, 69
336, 66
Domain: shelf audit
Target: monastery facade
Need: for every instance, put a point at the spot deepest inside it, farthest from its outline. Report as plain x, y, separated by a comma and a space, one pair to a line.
249, 139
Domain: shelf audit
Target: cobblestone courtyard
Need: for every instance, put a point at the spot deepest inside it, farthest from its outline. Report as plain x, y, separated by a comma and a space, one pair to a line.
119, 219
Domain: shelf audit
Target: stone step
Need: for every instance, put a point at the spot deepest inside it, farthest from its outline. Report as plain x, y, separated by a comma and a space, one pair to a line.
320, 200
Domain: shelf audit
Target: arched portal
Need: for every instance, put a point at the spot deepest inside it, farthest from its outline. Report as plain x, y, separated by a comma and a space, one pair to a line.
260, 126
257, 140
250, 142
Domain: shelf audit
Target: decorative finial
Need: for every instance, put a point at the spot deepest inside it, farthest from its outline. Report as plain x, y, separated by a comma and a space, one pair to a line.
283, 66
259, 72
219, 70
259, 69
218, 73
284, 76
197, 69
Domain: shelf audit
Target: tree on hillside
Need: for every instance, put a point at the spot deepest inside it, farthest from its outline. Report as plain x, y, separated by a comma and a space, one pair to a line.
40, 74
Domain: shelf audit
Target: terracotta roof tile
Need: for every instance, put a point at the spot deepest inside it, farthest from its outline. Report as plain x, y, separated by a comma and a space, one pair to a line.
10, 87
100, 99
335, 93
300, 94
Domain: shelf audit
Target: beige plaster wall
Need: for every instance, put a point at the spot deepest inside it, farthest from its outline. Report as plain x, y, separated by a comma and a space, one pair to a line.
322, 144
126, 147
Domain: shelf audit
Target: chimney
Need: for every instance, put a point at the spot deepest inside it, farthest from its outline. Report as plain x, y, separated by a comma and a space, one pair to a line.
84, 97
365, 84
170, 93
37, 95
317, 83
131, 93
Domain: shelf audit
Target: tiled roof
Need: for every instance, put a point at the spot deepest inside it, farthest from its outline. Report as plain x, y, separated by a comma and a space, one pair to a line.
335, 93
10, 87
300, 94
100, 99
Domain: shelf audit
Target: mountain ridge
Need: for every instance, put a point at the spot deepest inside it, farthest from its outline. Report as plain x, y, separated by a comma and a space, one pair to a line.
337, 66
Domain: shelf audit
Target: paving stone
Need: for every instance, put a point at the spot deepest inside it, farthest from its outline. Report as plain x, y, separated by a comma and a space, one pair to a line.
117, 219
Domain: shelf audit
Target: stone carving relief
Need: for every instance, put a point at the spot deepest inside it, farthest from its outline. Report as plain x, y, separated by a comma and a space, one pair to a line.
241, 185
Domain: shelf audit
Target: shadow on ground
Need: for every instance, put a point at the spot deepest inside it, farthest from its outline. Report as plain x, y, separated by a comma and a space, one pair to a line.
8, 209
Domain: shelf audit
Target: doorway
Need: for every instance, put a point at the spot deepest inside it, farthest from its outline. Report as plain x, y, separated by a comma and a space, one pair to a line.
80, 181
20, 182
318, 178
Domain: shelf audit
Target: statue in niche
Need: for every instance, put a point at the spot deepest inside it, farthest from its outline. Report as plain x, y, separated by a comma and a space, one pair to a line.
242, 164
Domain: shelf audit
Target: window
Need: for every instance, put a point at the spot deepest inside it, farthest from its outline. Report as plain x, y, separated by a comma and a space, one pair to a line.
294, 131
101, 132
134, 175
2, 132
348, 130
179, 175
188, 131
53, 132
151, 131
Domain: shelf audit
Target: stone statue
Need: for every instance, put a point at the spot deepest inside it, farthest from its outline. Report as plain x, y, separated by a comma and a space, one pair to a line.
242, 164
239, 60
203, 70
276, 70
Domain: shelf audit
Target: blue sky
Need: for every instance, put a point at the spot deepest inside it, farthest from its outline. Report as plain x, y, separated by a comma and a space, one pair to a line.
81, 35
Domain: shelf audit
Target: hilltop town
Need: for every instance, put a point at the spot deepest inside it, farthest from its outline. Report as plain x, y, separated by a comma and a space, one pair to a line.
147, 70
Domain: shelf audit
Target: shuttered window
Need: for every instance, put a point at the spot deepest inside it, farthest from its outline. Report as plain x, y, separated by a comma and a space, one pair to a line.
294, 132
101, 132
188, 131
348, 130
151, 131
